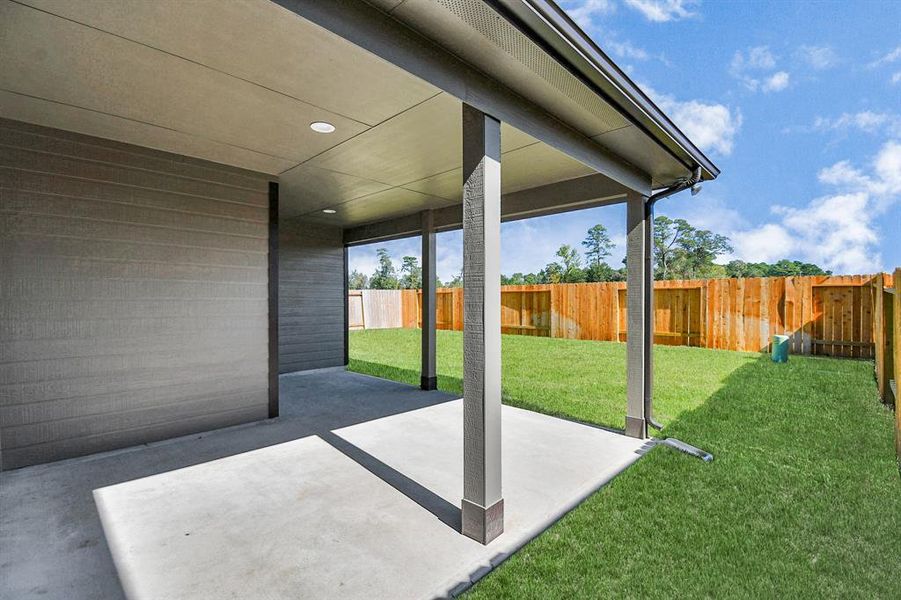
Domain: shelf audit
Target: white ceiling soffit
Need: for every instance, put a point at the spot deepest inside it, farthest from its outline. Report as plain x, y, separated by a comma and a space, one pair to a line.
479, 35
410, 163
239, 82
258, 41
235, 82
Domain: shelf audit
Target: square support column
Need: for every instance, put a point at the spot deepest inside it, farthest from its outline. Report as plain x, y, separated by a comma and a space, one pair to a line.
483, 504
639, 314
273, 300
429, 378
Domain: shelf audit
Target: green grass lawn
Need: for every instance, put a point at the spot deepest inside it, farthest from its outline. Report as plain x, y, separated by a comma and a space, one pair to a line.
803, 499
580, 380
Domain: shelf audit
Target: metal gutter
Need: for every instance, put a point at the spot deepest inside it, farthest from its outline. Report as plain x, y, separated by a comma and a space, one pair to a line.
550, 26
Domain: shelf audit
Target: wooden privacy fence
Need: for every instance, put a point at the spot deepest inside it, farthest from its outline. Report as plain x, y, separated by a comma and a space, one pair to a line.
830, 316
854, 316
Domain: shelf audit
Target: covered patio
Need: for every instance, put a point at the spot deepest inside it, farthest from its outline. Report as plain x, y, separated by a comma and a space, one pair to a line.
180, 183
353, 492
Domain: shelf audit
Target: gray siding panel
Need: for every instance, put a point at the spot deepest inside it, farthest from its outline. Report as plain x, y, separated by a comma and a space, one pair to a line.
133, 295
311, 296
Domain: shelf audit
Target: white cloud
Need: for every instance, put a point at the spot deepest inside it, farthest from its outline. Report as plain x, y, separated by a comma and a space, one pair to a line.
866, 121
884, 185
843, 174
776, 82
708, 211
756, 58
753, 68
625, 49
661, 11
889, 58
837, 231
888, 169
710, 126
587, 14
584, 11
768, 243
818, 57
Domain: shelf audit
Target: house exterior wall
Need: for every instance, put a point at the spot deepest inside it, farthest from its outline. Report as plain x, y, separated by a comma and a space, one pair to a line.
311, 296
133, 295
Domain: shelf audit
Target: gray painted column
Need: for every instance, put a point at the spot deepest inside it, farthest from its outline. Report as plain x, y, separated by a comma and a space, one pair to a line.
428, 379
346, 309
639, 314
483, 505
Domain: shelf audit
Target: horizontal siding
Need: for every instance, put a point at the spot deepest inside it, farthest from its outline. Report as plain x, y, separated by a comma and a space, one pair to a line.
172, 427
133, 298
119, 194
29, 161
35, 137
311, 296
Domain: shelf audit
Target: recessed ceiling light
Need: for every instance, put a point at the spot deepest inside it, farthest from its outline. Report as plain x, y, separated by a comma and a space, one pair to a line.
329, 211
322, 127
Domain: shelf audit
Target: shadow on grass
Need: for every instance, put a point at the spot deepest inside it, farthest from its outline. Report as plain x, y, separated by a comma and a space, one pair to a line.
454, 385
802, 500
451, 385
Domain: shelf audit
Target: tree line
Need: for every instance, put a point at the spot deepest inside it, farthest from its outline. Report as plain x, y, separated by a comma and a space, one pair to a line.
681, 251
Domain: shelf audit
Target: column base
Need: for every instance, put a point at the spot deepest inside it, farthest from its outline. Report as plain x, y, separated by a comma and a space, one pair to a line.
428, 383
483, 524
637, 428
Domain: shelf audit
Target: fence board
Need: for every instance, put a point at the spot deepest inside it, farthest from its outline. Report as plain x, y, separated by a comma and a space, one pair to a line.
410, 311
382, 309
355, 310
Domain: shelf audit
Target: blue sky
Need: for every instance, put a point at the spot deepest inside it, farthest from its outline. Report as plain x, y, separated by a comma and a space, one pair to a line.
799, 104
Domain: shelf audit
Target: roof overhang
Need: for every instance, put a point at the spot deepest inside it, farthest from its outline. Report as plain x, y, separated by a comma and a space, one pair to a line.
536, 51
240, 82
547, 22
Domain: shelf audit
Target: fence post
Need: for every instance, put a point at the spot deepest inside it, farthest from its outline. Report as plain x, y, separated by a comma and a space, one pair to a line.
896, 350
882, 334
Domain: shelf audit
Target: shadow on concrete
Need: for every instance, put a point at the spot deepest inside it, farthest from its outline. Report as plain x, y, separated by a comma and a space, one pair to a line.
53, 543
447, 513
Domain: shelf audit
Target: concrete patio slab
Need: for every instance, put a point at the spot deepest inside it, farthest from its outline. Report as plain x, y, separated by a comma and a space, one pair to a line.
354, 492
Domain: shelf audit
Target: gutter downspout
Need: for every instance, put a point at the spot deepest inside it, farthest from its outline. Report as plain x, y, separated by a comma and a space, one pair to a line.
677, 187
685, 184
681, 446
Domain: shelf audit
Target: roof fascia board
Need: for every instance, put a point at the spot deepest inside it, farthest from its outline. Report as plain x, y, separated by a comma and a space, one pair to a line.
589, 191
553, 28
386, 37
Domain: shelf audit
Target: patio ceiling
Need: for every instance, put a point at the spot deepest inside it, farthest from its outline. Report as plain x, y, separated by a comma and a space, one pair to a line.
239, 83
